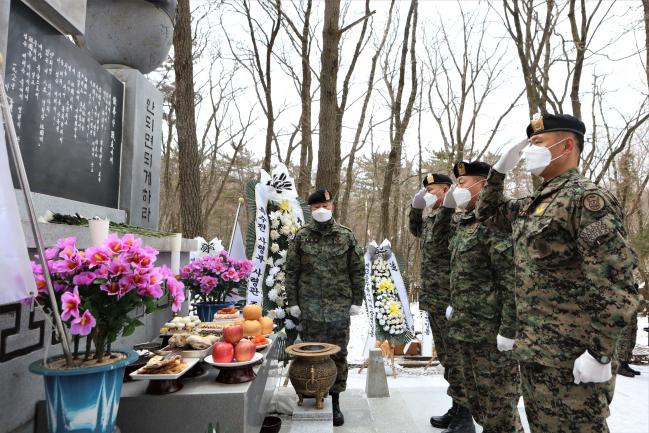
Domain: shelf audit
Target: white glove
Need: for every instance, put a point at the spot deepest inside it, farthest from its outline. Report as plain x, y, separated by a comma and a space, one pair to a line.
449, 200
294, 311
418, 201
504, 344
588, 369
510, 157
449, 311
354, 310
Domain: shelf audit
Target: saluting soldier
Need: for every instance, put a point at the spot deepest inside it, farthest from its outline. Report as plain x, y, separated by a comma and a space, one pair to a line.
434, 276
324, 284
482, 311
574, 287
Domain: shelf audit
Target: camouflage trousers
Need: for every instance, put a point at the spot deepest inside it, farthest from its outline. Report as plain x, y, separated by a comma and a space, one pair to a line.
626, 343
554, 403
448, 353
492, 383
334, 332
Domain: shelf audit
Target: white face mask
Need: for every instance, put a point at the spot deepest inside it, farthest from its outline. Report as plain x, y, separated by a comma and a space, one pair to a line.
321, 215
463, 196
537, 158
431, 199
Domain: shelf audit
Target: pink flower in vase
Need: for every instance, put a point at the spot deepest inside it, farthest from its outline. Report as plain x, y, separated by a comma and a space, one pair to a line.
207, 283
99, 255
112, 288
177, 292
153, 287
83, 325
232, 274
70, 242
114, 243
118, 267
70, 304
84, 279
51, 253
130, 242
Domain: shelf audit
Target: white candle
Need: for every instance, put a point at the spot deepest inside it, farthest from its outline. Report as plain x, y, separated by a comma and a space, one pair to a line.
98, 230
175, 240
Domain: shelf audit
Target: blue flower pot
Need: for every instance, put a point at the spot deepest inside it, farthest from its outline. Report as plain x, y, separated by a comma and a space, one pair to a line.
83, 400
207, 310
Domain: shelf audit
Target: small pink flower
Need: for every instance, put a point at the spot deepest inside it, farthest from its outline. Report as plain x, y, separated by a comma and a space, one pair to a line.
114, 243
99, 255
70, 304
232, 274
130, 241
118, 266
51, 253
84, 278
66, 243
83, 325
112, 288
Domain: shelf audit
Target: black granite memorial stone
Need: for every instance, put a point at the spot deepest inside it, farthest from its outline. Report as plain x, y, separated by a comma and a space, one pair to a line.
67, 110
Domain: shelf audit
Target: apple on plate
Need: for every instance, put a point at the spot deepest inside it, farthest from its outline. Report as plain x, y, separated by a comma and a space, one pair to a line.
222, 352
244, 350
233, 334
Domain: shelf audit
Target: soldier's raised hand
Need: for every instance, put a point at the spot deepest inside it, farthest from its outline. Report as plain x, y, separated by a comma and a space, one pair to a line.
449, 200
588, 369
418, 201
510, 157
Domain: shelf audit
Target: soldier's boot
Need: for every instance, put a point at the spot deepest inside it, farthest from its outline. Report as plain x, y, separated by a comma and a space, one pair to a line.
462, 422
443, 421
625, 370
339, 419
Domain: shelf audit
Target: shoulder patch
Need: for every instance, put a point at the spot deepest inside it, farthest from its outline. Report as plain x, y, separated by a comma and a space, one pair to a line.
593, 202
594, 231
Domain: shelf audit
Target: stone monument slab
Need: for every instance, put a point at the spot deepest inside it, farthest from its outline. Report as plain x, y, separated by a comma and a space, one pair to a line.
141, 148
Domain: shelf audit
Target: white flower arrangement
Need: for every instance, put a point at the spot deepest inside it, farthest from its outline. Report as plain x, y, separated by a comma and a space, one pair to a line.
283, 225
388, 309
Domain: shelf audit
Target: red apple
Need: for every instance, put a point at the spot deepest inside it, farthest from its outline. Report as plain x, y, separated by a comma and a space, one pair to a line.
244, 350
222, 352
232, 334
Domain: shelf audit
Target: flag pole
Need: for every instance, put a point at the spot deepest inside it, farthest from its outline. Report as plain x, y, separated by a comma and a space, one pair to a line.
14, 149
234, 226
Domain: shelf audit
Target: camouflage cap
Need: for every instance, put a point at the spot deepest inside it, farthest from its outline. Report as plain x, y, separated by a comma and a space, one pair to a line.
319, 196
471, 168
436, 178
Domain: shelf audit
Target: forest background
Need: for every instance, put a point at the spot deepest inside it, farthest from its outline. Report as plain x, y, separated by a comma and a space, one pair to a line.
364, 97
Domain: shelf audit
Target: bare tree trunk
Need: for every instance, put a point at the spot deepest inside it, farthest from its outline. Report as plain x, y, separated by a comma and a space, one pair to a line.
189, 160
645, 6
304, 179
400, 123
328, 175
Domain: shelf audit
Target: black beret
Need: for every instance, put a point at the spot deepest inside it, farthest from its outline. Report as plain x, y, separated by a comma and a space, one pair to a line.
473, 168
436, 178
319, 196
546, 122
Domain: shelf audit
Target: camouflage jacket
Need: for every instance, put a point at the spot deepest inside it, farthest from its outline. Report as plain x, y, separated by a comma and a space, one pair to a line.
574, 288
435, 256
482, 282
324, 271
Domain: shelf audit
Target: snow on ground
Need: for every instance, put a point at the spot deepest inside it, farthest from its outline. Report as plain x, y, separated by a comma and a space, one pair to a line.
424, 390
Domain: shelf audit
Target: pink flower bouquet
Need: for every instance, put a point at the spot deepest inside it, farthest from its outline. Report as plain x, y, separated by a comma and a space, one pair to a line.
213, 278
96, 289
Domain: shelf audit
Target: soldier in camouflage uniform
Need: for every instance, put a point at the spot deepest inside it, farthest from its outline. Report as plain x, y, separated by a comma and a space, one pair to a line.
574, 288
325, 283
482, 310
434, 274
